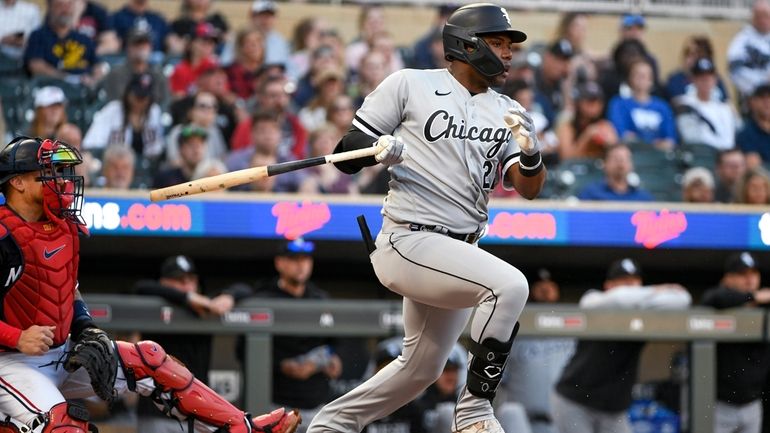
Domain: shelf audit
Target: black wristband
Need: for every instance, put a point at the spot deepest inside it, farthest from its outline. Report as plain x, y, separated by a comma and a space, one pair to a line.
530, 165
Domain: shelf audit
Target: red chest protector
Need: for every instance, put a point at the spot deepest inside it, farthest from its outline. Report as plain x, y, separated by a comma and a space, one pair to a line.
43, 291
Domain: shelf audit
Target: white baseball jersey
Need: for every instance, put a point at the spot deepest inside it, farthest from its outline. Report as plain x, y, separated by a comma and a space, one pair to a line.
457, 147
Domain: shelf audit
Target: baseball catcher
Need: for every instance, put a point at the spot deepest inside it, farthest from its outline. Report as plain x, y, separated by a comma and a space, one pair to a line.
45, 323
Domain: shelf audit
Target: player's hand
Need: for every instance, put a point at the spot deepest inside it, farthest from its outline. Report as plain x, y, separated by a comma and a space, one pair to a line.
390, 150
36, 340
523, 128
762, 296
333, 369
200, 304
222, 304
300, 370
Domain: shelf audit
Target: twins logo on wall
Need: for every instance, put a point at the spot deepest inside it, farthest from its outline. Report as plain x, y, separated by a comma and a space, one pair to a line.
653, 228
293, 220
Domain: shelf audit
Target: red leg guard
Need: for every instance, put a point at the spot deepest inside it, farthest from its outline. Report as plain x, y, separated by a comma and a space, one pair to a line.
65, 418
8, 427
190, 397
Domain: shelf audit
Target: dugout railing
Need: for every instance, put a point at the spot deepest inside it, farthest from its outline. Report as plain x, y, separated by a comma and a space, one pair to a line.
259, 320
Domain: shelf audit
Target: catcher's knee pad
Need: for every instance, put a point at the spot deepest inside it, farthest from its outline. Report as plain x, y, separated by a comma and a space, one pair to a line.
178, 393
486, 368
67, 418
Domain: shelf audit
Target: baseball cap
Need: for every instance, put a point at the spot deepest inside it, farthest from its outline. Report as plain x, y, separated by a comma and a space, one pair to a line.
177, 267
387, 351
297, 247
139, 33
589, 90
210, 67
206, 30
631, 20
624, 268
740, 262
140, 85
188, 131
263, 6
704, 65
761, 90
562, 48
49, 95
698, 174
328, 74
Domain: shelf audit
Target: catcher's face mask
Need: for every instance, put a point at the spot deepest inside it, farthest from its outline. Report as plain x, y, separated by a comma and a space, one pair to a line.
62, 188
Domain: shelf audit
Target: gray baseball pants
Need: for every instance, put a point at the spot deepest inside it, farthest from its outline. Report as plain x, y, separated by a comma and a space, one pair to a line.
442, 280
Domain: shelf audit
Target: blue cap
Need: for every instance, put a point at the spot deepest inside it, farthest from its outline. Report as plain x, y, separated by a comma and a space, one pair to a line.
631, 20
297, 247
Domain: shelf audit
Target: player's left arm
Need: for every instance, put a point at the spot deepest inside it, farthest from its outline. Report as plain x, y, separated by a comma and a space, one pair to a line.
81, 317
528, 174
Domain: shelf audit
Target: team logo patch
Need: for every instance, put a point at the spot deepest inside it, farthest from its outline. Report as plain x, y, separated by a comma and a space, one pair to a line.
505, 15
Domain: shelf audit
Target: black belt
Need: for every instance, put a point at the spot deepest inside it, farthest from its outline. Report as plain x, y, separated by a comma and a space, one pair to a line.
470, 238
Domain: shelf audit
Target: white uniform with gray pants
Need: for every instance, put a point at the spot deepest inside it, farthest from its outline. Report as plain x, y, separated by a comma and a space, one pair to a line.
441, 280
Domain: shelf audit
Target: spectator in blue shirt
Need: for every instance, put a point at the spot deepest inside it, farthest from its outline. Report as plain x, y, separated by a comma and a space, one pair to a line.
93, 21
137, 14
754, 138
642, 116
618, 164
57, 50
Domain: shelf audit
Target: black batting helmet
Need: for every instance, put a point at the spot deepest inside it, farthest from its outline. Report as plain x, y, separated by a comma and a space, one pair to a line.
462, 31
55, 162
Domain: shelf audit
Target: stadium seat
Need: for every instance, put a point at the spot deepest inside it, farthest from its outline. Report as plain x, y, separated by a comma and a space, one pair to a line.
572, 175
698, 155
16, 100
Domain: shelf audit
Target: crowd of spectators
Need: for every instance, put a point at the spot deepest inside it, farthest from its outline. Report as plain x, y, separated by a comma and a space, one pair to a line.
172, 99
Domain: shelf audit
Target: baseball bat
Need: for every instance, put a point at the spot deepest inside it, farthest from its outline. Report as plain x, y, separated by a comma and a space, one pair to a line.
239, 177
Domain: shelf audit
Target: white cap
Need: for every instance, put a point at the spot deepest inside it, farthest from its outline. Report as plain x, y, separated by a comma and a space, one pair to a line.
698, 174
260, 6
49, 95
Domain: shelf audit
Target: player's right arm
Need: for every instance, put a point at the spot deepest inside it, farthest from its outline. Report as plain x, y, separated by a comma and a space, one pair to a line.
379, 116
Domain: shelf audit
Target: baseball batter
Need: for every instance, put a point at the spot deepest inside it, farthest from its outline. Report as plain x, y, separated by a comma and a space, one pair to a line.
462, 138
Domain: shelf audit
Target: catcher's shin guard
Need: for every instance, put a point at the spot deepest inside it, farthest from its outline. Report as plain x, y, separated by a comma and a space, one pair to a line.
67, 418
486, 367
179, 392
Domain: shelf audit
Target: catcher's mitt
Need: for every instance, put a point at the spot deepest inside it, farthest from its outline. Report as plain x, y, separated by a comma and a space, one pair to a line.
95, 352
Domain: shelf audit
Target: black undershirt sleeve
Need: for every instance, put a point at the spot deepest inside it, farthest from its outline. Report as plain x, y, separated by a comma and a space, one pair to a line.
354, 139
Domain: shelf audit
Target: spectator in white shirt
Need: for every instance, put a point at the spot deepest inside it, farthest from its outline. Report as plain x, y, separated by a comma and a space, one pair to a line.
703, 120
17, 20
749, 52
